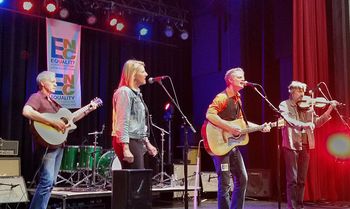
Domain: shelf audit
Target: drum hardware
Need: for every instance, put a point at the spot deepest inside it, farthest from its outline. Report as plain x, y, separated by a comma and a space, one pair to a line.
94, 155
162, 177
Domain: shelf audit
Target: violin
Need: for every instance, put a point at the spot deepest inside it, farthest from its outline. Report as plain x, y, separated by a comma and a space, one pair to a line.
318, 102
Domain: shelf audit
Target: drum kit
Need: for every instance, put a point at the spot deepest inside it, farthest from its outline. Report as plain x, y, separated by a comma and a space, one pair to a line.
87, 166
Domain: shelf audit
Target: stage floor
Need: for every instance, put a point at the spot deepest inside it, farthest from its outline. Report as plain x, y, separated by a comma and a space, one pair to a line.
250, 204
62, 194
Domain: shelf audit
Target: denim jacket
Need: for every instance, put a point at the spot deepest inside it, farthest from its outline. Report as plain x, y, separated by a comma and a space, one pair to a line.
294, 128
129, 115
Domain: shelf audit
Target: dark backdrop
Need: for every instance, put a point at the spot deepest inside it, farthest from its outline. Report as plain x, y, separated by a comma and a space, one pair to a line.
23, 56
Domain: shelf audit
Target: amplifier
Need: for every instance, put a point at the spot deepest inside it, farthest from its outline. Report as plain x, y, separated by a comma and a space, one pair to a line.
8, 147
10, 166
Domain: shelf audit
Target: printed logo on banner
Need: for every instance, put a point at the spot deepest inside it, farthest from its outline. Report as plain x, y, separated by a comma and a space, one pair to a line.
63, 50
63, 59
63, 54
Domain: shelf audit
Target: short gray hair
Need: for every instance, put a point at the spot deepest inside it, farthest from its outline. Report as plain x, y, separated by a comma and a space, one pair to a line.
45, 75
230, 72
296, 85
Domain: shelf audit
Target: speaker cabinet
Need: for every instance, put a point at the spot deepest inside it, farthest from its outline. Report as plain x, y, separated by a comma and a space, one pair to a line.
12, 189
10, 166
132, 189
259, 183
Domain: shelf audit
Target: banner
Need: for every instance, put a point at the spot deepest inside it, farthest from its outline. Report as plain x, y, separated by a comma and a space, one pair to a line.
63, 58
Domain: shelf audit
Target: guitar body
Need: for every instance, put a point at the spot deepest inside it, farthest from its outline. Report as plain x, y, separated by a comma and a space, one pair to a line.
49, 136
219, 142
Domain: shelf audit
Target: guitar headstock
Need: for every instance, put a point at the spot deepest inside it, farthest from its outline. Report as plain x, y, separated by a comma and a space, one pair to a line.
96, 102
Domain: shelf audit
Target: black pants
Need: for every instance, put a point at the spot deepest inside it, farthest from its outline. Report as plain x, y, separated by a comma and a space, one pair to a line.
138, 149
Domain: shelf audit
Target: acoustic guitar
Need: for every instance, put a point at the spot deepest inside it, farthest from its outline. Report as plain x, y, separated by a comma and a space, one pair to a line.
51, 137
219, 142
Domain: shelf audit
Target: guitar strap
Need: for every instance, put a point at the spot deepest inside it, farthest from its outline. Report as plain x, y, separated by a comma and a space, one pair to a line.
240, 107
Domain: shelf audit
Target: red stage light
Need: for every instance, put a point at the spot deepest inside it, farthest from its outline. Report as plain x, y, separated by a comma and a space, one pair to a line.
51, 6
113, 21
120, 26
27, 5
167, 105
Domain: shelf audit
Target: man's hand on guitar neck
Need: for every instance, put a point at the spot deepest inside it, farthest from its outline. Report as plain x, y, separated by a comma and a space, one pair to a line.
267, 127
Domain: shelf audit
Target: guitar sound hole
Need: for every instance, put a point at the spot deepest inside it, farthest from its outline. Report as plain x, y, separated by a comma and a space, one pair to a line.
64, 120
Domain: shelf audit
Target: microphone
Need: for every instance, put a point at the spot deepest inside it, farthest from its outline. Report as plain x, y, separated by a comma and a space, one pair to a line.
311, 91
247, 83
14, 185
156, 79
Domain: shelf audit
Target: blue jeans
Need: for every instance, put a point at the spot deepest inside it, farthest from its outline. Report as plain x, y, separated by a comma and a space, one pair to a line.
297, 163
226, 166
48, 174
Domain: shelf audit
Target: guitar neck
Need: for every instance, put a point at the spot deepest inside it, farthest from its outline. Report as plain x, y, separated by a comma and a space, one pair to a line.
81, 110
252, 129
257, 128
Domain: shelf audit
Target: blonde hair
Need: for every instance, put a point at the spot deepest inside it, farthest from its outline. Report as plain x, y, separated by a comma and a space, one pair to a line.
44, 75
230, 72
130, 68
296, 85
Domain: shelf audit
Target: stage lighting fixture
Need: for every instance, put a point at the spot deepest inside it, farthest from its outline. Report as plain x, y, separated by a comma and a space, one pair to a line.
91, 19
27, 5
51, 6
168, 31
120, 26
143, 29
184, 34
64, 13
113, 21
168, 111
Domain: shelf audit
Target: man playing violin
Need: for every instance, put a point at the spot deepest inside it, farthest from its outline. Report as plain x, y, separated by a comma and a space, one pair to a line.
298, 140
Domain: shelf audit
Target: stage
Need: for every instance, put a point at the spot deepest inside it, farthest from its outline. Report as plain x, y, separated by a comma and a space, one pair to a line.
66, 194
63, 198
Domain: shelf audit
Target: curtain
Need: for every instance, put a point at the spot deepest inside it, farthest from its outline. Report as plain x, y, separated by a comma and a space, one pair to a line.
311, 65
23, 56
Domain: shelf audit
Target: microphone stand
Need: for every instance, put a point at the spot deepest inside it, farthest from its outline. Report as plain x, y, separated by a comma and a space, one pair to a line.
185, 126
278, 161
336, 110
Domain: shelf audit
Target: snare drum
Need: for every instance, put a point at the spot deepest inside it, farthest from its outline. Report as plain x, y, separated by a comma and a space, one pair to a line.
70, 159
86, 159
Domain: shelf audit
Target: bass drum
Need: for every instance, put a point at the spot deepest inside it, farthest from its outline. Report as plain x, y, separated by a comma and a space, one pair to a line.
107, 163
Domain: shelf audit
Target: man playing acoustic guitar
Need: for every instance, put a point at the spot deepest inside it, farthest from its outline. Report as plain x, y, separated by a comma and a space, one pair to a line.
35, 108
225, 108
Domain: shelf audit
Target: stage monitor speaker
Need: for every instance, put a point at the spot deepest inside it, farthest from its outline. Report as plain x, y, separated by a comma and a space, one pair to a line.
259, 183
132, 189
10, 166
180, 180
210, 182
13, 189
